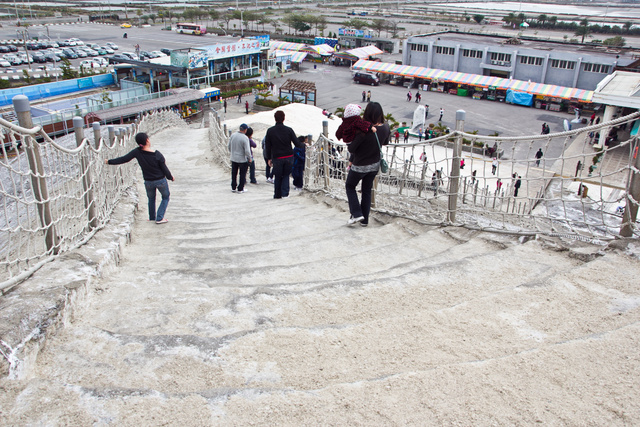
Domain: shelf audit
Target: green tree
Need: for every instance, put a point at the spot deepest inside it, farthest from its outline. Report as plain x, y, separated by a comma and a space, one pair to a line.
583, 29
553, 20
378, 25
478, 18
510, 19
27, 76
67, 72
542, 19
226, 18
153, 17
356, 23
616, 41
321, 24
300, 24
214, 14
627, 26
392, 29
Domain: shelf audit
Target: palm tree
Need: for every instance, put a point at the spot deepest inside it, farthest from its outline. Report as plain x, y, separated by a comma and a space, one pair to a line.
542, 19
627, 26
553, 21
582, 31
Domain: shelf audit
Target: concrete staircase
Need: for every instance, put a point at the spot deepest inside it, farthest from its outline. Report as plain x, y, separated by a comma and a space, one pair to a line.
245, 310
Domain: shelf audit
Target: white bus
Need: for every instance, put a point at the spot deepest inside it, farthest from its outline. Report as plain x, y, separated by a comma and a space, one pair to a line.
187, 28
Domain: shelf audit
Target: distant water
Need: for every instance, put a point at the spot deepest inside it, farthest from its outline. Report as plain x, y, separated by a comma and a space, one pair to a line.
624, 12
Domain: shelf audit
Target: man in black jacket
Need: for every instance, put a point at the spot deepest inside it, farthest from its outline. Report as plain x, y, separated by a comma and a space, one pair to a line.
279, 152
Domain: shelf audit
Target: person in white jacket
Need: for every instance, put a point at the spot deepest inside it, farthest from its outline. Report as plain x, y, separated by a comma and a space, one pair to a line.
240, 154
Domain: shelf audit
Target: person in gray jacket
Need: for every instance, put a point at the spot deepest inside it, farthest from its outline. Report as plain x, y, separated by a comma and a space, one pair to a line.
240, 158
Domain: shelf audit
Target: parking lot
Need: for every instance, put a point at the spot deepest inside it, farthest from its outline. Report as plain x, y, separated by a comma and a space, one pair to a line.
92, 36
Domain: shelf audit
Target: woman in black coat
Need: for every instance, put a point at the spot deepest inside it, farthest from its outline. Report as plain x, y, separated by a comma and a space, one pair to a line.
365, 163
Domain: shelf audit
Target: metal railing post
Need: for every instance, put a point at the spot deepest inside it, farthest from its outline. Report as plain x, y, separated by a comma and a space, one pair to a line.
89, 202
38, 182
632, 196
454, 179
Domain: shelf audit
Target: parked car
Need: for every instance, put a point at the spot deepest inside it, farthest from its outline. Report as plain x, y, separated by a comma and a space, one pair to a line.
108, 50
4, 63
14, 60
52, 57
12, 47
144, 55
69, 54
32, 46
112, 45
166, 51
81, 53
70, 42
55, 50
63, 43
158, 54
77, 41
130, 55
366, 79
88, 63
125, 25
98, 59
90, 52
4, 49
38, 57
101, 51
118, 58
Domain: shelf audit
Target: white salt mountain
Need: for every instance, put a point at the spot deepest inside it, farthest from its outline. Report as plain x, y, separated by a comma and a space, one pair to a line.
247, 310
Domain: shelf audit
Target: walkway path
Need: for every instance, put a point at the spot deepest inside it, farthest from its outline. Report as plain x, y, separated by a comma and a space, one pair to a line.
245, 310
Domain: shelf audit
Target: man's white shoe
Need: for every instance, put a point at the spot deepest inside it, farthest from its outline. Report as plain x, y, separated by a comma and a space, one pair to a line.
353, 220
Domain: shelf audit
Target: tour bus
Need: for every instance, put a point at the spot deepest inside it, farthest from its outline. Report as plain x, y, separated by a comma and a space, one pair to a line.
186, 28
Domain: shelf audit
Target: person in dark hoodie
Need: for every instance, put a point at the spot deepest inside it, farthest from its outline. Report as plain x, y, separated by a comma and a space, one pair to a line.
279, 153
298, 164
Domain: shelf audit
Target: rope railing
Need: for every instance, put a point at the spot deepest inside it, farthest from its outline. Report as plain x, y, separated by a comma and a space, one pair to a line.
575, 188
56, 194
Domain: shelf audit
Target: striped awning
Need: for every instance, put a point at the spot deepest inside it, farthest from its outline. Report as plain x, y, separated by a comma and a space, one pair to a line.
321, 49
295, 56
475, 80
280, 45
359, 53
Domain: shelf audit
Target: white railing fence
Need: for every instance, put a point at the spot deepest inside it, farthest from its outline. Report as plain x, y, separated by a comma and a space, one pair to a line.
425, 181
55, 195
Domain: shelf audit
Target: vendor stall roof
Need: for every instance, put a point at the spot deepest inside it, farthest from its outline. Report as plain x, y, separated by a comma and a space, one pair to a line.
359, 53
475, 80
295, 56
280, 45
321, 49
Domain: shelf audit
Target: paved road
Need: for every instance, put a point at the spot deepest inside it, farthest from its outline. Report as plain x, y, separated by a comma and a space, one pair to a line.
336, 89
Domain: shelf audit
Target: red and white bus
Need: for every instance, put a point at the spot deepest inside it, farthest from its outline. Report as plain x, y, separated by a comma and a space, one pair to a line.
187, 28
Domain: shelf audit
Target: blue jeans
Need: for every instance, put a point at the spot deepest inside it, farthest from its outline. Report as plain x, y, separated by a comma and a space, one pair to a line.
163, 187
268, 172
363, 207
281, 171
252, 172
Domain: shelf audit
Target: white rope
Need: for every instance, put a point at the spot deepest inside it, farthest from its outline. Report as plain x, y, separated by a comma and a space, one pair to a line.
78, 185
417, 184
